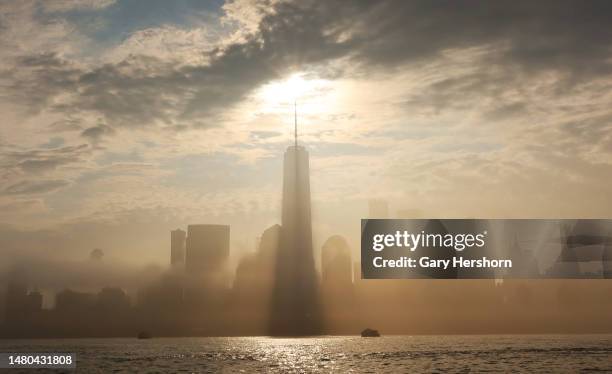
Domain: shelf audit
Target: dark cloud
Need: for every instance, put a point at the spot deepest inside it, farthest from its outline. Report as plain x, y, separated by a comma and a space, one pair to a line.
570, 37
41, 160
589, 131
462, 92
54, 142
568, 34
97, 133
66, 124
35, 80
35, 187
505, 110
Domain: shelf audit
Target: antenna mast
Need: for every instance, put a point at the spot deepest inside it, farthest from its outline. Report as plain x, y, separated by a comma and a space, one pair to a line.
295, 121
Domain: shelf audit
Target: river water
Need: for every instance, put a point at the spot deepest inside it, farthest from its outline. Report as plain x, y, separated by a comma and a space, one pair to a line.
414, 354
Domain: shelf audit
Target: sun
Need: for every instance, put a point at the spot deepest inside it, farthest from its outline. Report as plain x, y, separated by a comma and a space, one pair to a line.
295, 86
279, 95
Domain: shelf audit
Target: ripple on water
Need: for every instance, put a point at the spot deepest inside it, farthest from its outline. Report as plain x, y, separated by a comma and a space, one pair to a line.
335, 354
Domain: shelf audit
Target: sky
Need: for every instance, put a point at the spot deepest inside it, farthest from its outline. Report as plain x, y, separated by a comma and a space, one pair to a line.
122, 120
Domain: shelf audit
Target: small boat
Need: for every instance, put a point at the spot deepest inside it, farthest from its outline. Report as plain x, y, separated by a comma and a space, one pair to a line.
144, 335
370, 333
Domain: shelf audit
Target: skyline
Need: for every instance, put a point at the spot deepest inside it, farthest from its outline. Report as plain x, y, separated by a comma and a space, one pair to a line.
184, 302
123, 121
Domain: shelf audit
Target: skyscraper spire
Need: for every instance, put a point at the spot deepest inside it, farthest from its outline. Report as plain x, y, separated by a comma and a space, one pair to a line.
295, 303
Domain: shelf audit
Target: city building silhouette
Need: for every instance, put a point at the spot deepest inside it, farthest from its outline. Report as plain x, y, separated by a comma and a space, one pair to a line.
253, 284
20, 305
336, 265
73, 303
16, 299
296, 305
177, 248
112, 299
34, 302
207, 248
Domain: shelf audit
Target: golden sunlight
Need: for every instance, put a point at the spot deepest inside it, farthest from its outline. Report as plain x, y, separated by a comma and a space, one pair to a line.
277, 96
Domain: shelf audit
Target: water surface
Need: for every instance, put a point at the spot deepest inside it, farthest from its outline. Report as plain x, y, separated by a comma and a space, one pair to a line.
496, 353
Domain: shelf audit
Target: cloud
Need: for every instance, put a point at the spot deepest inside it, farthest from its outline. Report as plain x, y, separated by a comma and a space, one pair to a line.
42, 160
185, 46
26, 29
97, 133
52, 6
146, 91
35, 187
35, 81
246, 14
149, 90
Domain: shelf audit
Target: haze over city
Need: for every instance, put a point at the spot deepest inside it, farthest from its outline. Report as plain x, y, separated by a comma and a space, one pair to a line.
124, 120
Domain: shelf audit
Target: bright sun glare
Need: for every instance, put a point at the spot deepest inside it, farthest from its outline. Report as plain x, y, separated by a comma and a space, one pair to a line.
279, 95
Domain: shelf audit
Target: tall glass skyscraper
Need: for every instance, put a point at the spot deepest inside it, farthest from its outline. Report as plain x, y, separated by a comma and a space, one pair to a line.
295, 301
